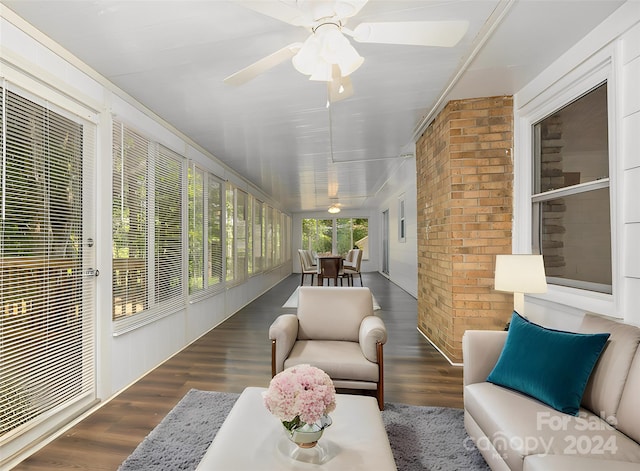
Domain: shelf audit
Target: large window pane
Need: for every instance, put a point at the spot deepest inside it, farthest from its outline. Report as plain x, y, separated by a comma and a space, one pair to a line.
196, 229
571, 203
215, 252
317, 235
130, 189
258, 240
568, 254
168, 226
230, 225
352, 233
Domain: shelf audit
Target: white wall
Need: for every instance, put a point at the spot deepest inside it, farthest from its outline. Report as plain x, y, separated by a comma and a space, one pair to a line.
612, 52
403, 256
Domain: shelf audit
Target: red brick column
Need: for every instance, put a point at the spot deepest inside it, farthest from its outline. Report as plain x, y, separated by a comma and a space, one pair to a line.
465, 209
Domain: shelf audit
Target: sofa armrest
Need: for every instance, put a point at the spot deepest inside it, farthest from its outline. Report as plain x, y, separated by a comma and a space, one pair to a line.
480, 352
284, 331
372, 332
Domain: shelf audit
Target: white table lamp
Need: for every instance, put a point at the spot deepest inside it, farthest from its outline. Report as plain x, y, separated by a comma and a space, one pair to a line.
519, 274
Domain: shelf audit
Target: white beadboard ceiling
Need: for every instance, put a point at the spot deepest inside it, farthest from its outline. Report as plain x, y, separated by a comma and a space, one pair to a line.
275, 130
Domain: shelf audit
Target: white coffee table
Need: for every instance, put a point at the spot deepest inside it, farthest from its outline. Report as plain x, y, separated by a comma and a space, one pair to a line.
252, 439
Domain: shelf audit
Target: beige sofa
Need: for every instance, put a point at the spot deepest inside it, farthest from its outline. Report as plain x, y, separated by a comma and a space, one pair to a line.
516, 432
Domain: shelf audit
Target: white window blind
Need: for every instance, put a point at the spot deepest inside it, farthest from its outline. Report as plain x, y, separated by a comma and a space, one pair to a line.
215, 239
241, 236
258, 249
148, 186
205, 233
167, 229
46, 300
130, 247
236, 230
250, 267
230, 231
197, 234
269, 238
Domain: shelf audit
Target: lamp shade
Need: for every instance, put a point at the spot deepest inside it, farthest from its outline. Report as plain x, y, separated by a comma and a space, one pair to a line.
520, 274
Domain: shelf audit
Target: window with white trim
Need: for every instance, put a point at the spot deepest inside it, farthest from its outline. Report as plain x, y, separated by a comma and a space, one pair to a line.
148, 183
236, 232
205, 234
571, 200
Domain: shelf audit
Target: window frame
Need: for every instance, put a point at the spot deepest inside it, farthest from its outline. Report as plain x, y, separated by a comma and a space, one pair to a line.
530, 107
402, 223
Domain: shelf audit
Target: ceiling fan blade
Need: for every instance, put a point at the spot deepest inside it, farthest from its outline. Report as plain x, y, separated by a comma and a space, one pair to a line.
278, 10
340, 87
264, 64
348, 8
418, 33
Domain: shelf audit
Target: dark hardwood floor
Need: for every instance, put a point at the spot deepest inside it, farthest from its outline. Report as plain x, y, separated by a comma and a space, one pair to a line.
237, 354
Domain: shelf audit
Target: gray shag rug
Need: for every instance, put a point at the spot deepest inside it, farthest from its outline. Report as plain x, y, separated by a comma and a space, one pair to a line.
422, 438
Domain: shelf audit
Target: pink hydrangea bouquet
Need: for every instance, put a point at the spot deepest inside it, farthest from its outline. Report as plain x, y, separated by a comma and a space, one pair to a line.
300, 395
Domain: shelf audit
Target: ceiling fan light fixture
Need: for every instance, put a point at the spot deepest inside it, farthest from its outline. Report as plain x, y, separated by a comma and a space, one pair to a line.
333, 209
326, 47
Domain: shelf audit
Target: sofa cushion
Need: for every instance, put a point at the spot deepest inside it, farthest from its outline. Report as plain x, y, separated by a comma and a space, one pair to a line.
570, 462
332, 313
604, 388
550, 365
628, 416
518, 426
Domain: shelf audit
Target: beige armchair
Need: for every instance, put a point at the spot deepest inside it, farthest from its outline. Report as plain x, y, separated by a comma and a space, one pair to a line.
334, 330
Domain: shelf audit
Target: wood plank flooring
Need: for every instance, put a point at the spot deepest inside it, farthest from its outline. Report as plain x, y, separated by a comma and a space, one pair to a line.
237, 354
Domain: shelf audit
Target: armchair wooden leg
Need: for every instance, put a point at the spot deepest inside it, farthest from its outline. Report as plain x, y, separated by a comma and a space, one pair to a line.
380, 390
273, 358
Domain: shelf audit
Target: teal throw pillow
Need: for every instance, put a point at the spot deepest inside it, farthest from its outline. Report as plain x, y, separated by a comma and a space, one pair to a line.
552, 366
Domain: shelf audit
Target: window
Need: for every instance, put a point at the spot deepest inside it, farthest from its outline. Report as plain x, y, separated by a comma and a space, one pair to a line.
205, 235
268, 238
257, 239
317, 235
353, 232
46, 299
147, 229
570, 204
214, 222
236, 252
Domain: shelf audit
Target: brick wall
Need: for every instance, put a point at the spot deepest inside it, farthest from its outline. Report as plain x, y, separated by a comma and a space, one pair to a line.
465, 205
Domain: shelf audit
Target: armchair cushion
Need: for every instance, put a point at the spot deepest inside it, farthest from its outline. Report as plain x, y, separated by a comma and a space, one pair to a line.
340, 360
332, 313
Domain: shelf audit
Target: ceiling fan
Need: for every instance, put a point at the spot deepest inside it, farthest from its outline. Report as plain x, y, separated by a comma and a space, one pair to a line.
327, 54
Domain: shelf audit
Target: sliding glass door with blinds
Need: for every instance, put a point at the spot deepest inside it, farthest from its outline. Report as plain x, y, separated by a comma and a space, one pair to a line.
47, 329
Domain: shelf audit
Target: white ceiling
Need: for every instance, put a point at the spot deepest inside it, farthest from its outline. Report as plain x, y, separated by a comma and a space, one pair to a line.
275, 130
